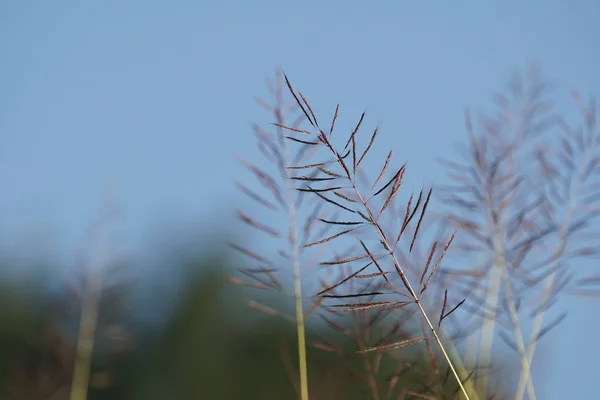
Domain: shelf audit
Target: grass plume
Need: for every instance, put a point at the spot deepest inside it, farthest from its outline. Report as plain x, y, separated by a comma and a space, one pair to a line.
283, 199
346, 196
524, 201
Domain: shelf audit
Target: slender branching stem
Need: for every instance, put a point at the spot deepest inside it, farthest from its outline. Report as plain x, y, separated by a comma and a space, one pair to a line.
489, 324
412, 292
560, 249
300, 328
536, 329
518, 333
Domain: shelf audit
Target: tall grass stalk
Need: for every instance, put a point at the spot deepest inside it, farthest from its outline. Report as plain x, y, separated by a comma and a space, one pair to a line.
322, 173
589, 136
86, 336
276, 151
299, 304
94, 282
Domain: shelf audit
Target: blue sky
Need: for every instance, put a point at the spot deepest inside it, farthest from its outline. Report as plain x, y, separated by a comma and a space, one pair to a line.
155, 100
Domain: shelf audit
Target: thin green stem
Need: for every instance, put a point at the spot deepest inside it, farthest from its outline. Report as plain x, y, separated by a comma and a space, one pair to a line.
461, 367
90, 308
86, 335
301, 333
300, 328
85, 349
412, 292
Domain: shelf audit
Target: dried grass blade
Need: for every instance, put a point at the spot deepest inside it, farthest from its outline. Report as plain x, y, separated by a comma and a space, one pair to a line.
327, 239
336, 326
346, 279
409, 215
319, 190
268, 310
433, 248
316, 304
238, 281
439, 262
335, 115
309, 109
302, 141
260, 279
343, 196
368, 146
354, 131
383, 169
256, 197
373, 275
372, 256
289, 85
394, 192
265, 179
397, 345
269, 273
460, 303
444, 303
340, 160
310, 222
344, 261
331, 201
551, 325
364, 216
345, 296
337, 308
261, 270
307, 166
400, 171
341, 222
327, 172
304, 153
250, 253
258, 225
310, 179
328, 348
291, 128
400, 304
420, 220
353, 156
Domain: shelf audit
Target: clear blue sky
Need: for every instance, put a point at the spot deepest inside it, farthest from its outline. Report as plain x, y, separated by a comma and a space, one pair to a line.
155, 99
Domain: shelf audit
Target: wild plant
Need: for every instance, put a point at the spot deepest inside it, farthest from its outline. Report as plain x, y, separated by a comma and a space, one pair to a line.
340, 186
285, 204
524, 202
99, 285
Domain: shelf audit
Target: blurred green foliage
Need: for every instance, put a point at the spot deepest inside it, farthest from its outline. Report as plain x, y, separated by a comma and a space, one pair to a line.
209, 345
